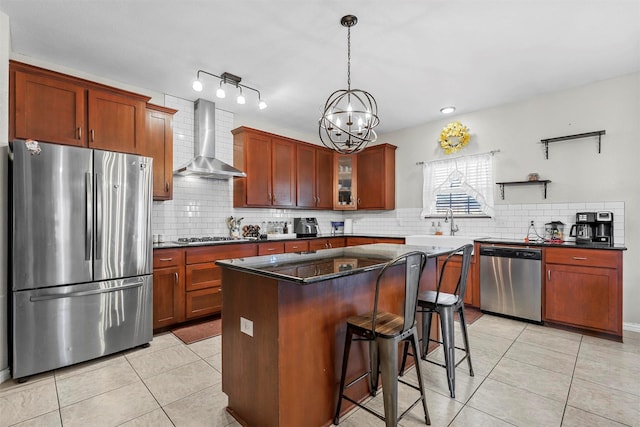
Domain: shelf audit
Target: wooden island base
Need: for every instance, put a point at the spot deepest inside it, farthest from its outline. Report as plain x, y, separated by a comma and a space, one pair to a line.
288, 372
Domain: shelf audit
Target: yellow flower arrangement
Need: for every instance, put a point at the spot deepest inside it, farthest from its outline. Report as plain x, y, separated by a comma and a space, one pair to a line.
453, 137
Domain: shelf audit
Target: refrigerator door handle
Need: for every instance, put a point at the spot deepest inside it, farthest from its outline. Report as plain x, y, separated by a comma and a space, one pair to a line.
47, 297
88, 217
98, 216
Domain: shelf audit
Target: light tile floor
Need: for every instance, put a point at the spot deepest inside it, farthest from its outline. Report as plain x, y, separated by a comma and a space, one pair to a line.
526, 375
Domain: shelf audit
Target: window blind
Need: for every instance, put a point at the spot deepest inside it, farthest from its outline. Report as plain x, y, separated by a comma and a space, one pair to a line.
463, 184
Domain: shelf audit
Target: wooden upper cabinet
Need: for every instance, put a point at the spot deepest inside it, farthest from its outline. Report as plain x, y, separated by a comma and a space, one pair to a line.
61, 109
314, 177
257, 149
159, 145
283, 157
116, 122
324, 178
376, 177
48, 109
269, 162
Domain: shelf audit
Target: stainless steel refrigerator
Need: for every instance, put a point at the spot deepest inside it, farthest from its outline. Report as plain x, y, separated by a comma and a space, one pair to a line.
81, 254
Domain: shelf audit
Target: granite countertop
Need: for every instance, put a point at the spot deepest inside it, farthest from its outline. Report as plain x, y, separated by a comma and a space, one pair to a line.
546, 244
174, 244
326, 264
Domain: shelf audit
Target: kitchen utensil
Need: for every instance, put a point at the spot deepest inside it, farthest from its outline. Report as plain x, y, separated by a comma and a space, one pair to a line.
234, 226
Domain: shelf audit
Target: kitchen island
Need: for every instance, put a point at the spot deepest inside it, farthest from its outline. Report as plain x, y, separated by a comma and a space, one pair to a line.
283, 328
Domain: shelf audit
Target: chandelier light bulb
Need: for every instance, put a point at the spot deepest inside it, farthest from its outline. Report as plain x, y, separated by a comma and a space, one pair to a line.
220, 93
197, 85
262, 104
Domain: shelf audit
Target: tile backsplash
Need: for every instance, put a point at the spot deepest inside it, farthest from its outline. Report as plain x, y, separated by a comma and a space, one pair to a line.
200, 206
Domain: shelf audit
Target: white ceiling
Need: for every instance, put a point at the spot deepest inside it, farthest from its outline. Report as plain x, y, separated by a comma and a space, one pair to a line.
414, 56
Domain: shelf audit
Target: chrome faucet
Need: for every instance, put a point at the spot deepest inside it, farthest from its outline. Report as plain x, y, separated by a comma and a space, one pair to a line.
452, 228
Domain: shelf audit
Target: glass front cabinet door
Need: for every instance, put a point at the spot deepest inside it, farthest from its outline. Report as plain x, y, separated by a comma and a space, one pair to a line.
345, 168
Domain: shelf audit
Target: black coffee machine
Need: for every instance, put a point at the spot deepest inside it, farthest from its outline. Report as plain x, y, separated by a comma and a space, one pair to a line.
593, 228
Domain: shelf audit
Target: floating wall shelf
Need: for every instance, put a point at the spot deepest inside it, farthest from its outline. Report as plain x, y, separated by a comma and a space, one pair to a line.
546, 142
538, 182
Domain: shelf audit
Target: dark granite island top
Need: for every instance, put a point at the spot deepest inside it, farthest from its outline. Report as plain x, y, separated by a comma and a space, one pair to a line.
311, 267
283, 328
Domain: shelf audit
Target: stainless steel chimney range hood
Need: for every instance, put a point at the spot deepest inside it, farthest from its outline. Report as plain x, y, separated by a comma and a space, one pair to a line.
204, 164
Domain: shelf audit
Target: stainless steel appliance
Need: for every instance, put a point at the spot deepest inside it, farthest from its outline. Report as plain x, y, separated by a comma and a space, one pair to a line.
305, 227
511, 281
593, 228
81, 256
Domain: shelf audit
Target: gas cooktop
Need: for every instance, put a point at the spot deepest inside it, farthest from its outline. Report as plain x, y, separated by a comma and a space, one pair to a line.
204, 240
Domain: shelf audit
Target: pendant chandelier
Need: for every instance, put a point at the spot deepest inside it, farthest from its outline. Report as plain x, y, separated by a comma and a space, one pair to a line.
350, 115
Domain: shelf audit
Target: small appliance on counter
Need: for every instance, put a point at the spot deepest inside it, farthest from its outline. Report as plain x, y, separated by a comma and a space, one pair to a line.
305, 227
554, 231
593, 228
337, 228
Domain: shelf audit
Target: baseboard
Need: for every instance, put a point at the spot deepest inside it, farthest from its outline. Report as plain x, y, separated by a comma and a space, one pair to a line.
5, 375
633, 327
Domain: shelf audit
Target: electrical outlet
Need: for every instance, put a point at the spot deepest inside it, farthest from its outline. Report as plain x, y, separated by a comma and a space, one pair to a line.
246, 326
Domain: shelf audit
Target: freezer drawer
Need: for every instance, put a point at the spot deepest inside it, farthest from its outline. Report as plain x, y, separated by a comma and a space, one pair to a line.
60, 326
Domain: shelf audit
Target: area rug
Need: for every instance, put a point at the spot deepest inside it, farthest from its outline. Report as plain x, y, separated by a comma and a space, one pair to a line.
198, 332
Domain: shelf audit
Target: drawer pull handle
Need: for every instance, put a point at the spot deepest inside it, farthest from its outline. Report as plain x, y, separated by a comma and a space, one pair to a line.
176, 277
549, 275
93, 135
79, 133
166, 259
580, 258
271, 249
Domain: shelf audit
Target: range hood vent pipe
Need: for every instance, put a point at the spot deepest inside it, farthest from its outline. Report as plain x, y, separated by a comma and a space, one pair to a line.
204, 164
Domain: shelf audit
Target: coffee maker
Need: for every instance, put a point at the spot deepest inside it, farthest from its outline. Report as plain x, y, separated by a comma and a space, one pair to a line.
593, 228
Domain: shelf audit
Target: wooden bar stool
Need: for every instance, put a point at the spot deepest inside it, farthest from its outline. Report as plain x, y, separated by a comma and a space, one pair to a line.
445, 305
383, 331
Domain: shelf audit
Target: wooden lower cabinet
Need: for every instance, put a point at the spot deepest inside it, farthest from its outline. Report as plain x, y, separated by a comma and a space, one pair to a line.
451, 275
583, 288
296, 246
203, 287
271, 248
326, 243
168, 287
356, 241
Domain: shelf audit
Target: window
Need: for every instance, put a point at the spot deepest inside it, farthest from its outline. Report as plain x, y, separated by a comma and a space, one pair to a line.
463, 184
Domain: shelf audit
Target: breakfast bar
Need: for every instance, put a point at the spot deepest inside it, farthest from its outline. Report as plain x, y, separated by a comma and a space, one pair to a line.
283, 328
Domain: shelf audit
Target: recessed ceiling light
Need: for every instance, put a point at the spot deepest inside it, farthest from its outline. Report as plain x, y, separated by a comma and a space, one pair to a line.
447, 110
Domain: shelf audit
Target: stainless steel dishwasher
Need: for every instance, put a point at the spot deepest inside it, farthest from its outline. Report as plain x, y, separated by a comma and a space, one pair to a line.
511, 281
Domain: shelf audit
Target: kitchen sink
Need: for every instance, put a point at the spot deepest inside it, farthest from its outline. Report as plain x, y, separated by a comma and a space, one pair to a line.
440, 241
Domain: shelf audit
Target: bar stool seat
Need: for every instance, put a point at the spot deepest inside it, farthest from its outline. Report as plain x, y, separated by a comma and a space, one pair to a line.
384, 331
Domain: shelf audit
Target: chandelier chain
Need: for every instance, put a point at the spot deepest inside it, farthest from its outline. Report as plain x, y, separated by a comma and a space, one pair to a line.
349, 58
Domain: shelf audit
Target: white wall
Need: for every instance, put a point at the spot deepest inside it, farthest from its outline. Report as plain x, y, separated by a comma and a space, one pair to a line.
578, 173
4, 133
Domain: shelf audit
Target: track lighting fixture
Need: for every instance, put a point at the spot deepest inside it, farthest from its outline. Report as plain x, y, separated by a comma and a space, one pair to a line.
230, 79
